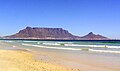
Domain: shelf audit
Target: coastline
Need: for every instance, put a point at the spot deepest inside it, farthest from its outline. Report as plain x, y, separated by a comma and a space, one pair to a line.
19, 59
59, 59
71, 62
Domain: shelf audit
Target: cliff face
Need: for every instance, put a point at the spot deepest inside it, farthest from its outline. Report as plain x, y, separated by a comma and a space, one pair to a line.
29, 32
92, 36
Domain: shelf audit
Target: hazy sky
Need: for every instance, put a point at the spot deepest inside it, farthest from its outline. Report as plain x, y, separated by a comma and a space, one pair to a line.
77, 16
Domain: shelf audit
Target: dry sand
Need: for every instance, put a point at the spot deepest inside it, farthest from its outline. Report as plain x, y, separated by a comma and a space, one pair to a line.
17, 60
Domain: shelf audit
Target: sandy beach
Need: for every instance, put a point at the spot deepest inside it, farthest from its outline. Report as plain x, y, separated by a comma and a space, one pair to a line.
59, 35
16, 57
82, 64
17, 60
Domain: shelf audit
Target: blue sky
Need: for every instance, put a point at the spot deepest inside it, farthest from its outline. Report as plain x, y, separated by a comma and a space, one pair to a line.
78, 16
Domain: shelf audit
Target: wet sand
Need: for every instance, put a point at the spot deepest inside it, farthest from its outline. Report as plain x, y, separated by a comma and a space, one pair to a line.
83, 63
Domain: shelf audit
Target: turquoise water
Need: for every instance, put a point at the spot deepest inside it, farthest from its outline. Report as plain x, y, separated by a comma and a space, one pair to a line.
106, 47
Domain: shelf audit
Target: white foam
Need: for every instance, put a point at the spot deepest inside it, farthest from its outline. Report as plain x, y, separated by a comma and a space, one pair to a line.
50, 47
9, 41
51, 43
113, 46
105, 46
105, 51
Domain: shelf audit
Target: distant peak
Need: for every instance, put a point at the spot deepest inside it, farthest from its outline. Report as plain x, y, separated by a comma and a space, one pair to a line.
91, 35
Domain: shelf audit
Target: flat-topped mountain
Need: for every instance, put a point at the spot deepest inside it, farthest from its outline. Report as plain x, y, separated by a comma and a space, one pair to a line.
92, 36
43, 33
52, 33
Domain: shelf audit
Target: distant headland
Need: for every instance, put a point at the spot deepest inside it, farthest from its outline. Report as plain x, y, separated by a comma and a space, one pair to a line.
52, 34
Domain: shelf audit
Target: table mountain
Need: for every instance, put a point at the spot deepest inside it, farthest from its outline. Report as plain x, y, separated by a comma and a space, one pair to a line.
43, 33
52, 33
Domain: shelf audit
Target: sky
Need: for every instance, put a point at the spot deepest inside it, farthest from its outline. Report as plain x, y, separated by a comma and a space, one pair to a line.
79, 17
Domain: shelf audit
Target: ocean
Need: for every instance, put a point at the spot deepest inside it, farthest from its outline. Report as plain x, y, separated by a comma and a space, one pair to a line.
101, 46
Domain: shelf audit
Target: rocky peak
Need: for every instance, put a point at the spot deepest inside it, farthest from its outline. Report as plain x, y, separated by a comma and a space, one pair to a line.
92, 36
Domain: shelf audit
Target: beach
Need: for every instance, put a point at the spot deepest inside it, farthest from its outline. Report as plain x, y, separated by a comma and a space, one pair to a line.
59, 35
17, 60
17, 57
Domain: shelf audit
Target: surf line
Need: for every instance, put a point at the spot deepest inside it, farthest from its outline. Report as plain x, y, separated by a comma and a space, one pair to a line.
82, 49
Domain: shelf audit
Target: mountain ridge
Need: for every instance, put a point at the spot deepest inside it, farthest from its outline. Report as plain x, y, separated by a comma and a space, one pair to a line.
43, 33
53, 33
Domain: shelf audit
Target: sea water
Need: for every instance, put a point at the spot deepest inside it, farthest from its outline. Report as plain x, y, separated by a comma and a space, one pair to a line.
105, 47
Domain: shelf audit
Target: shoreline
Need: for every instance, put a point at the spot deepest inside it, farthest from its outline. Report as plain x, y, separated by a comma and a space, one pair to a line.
70, 63
63, 60
14, 58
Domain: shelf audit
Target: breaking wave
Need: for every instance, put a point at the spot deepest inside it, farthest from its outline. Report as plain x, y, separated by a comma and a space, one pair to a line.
105, 46
78, 49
